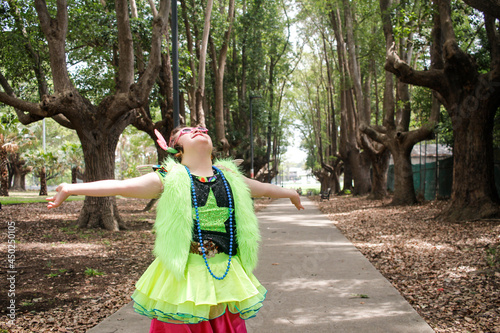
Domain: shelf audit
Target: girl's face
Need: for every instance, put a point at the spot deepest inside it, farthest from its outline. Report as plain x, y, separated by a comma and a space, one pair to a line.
192, 137
185, 130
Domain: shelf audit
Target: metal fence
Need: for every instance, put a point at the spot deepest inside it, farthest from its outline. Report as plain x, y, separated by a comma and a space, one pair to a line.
435, 182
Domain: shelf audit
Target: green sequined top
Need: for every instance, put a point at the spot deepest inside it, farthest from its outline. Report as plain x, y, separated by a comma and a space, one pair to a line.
213, 209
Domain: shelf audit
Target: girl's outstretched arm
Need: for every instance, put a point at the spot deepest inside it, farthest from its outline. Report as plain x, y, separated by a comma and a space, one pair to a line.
259, 189
148, 186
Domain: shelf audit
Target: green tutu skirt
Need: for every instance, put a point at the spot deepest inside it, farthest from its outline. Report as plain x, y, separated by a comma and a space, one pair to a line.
198, 297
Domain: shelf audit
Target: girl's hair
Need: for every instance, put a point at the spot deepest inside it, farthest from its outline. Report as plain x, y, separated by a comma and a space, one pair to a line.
178, 146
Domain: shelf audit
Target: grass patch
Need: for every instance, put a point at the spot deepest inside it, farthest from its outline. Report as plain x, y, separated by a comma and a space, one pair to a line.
69, 230
59, 272
93, 272
32, 196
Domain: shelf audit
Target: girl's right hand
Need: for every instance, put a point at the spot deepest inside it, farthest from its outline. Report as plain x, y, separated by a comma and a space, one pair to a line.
61, 195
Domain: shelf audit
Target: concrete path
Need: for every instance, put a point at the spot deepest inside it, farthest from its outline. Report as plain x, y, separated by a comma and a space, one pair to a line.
317, 281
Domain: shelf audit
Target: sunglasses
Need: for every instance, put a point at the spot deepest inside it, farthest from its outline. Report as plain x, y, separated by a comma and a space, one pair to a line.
187, 130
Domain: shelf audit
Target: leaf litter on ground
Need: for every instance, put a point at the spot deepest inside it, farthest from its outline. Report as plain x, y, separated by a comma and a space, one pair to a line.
70, 279
448, 272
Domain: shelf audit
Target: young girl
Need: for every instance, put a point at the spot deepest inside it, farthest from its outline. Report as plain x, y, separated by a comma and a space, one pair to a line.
206, 237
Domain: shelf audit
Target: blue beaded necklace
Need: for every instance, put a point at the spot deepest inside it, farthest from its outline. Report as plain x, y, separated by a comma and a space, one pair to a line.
198, 226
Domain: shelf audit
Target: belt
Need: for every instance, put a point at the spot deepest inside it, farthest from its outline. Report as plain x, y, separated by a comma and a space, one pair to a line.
211, 249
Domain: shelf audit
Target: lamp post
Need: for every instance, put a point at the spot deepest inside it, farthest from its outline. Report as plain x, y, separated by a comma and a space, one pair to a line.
251, 136
175, 62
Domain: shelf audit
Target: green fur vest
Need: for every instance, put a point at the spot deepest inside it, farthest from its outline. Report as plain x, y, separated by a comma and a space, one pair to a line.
174, 220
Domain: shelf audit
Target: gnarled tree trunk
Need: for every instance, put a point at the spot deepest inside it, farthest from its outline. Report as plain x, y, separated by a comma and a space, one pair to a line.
99, 142
395, 133
473, 194
98, 127
471, 99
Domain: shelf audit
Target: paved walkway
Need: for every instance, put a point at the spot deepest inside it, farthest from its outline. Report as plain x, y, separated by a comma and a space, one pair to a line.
317, 281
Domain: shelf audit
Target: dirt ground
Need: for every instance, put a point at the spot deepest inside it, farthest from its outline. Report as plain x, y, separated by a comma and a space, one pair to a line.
448, 272
68, 280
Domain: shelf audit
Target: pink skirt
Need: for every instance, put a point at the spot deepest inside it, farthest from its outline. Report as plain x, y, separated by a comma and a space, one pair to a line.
227, 323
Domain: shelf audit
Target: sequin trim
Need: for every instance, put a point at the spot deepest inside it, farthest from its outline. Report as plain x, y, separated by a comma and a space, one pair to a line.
210, 179
161, 169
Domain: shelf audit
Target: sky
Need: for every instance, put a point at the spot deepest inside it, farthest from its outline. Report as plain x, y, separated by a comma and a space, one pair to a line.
295, 155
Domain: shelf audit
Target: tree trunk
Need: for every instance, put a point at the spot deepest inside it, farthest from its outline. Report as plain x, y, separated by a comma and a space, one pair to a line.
200, 90
220, 128
99, 147
191, 87
474, 194
219, 64
471, 99
335, 177
4, 173
19, 172
347, 176
380, 166
17, 184
360, 166
324, 179
404, 190
150, 205
73, 175
395, 134
43, 181
76, 172
23, 182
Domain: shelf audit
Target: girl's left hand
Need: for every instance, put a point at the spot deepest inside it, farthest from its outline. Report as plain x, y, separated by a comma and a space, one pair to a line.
295, 199
61, 195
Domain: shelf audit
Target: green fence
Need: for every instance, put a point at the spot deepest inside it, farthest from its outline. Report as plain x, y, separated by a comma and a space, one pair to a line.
425, 177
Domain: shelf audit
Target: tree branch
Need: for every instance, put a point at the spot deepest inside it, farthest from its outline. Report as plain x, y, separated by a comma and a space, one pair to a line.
423, 133
23, 106
433, 78
373, 134
8, 97
55, 32
153, 8
494, 41
372, 147
63, 121
492, 7
125, 47
145, 83
227, 36
446, 23
135, 95
34, 112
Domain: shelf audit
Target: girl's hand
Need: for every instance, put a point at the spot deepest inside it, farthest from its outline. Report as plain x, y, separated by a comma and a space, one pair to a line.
259, 189
295, 199
61, 195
